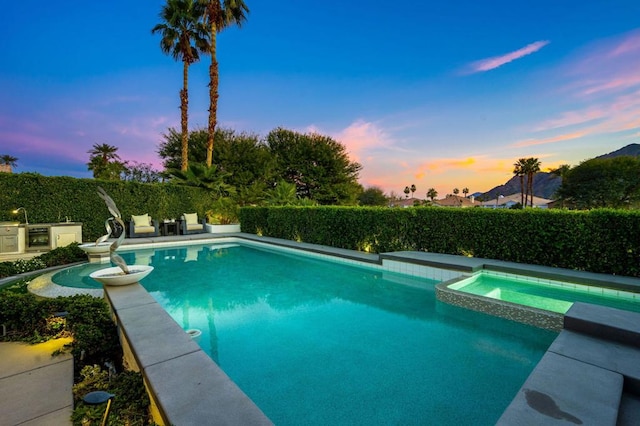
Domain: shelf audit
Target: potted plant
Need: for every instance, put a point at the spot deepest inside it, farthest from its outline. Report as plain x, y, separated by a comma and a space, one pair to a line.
223, 216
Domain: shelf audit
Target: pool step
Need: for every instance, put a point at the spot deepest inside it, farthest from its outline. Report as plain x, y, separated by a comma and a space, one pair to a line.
606, 323
565, 391
589, 375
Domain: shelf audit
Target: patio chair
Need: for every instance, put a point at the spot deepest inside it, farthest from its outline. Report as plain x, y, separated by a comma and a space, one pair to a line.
191, 225
143, 226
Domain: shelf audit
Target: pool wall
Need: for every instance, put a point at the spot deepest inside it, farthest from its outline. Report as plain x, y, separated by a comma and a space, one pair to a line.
185, 386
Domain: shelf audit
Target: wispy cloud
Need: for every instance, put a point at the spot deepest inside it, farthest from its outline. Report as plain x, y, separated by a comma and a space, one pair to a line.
553, 139
361, 136
497, 61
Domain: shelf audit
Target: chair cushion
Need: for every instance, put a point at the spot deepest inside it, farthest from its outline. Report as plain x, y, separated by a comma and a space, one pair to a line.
144, 229
194, 226
141, 220
191, 218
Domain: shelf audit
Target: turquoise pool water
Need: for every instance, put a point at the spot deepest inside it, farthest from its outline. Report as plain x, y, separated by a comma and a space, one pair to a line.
545, 294
319, 343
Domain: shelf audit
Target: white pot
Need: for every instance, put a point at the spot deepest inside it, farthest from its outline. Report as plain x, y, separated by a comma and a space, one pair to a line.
115, 276
219, 229
93, 248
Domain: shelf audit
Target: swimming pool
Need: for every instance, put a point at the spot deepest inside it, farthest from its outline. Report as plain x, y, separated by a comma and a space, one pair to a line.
550, 295
316, 342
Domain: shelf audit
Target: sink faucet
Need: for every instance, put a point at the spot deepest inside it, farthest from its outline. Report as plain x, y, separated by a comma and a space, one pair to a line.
26, 221
67, 218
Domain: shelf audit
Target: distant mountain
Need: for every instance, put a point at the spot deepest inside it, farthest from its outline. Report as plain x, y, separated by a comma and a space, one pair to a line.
546, 184
632, 150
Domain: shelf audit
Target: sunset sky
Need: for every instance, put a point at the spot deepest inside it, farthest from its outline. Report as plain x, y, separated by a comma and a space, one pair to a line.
437, 94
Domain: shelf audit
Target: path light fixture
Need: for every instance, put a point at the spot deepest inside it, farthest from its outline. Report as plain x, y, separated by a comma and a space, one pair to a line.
100, 397
26, 221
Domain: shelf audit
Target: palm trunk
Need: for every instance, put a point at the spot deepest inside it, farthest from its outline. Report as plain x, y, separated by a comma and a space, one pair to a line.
184, 106
531, 188
522, 200
213, 94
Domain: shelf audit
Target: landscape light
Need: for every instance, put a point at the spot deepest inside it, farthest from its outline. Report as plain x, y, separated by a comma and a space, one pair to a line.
26, 221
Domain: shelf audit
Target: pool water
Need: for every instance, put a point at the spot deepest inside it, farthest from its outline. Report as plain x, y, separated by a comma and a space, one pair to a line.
544, 294
321, 343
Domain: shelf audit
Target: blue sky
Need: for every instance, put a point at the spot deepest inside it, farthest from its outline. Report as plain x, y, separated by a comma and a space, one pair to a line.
436, 94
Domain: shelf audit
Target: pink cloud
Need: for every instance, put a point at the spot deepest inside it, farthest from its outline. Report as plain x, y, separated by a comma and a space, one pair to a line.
361, 136
497, 61
553, 139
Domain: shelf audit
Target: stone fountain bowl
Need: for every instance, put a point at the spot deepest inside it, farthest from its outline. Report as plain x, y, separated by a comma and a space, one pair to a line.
115, 276
93, 248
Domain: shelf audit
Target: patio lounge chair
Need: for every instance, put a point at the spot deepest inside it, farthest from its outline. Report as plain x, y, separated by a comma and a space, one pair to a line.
143, 226
191, 225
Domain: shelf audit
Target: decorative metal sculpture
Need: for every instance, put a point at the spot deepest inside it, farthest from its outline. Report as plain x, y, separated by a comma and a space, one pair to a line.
116, 216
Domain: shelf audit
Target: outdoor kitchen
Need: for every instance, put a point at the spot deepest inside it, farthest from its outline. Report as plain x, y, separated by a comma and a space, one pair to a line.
31, 238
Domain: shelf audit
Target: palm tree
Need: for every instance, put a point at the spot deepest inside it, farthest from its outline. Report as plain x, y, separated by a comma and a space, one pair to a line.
407, 190
104, 161
518, 170
432, 193
465, 191
456, 191
183, 35
532, 167
9, 161
218, 16
413, 189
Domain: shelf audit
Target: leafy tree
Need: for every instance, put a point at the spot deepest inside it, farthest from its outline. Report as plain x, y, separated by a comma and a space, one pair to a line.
407, 190
183, 35
283, 194
105, 162
8, 160
218, 16
603, 182
432, 194
140, 172
456, 191
318, 166
373, 196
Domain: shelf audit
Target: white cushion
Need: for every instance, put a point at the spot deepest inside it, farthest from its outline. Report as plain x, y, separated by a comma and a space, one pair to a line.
144, 229
141, 220
191, 218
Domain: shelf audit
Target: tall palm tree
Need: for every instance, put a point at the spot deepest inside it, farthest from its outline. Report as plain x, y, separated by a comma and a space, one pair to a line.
8, 160
465, 191
518, 170
407, 190
432, 193
532, 167
183, 35
413, 189
218, 16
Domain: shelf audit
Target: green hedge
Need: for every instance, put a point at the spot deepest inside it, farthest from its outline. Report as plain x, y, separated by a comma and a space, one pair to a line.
606, 241
49, 199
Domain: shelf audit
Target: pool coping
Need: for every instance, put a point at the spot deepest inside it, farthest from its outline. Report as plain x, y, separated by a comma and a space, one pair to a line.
174, 375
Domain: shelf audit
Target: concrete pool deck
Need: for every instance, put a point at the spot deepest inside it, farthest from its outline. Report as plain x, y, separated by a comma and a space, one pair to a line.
591, 364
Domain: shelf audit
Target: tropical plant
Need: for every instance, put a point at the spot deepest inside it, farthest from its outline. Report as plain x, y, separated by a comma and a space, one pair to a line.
183, 36
465, 191
432, 194
518, 170
224, 211
413, 189
218, 16
8, 160
104, 162
209, 178
407, 190
531, 168
456, 191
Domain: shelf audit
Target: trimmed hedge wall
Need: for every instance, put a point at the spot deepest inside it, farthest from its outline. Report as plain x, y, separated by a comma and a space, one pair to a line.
605, 241
49, 199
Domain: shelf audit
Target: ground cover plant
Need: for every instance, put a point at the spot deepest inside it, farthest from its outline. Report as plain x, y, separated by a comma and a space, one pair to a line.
95, 347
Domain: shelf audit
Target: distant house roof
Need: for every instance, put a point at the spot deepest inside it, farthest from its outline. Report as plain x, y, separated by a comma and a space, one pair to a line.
452, 200
508, 201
